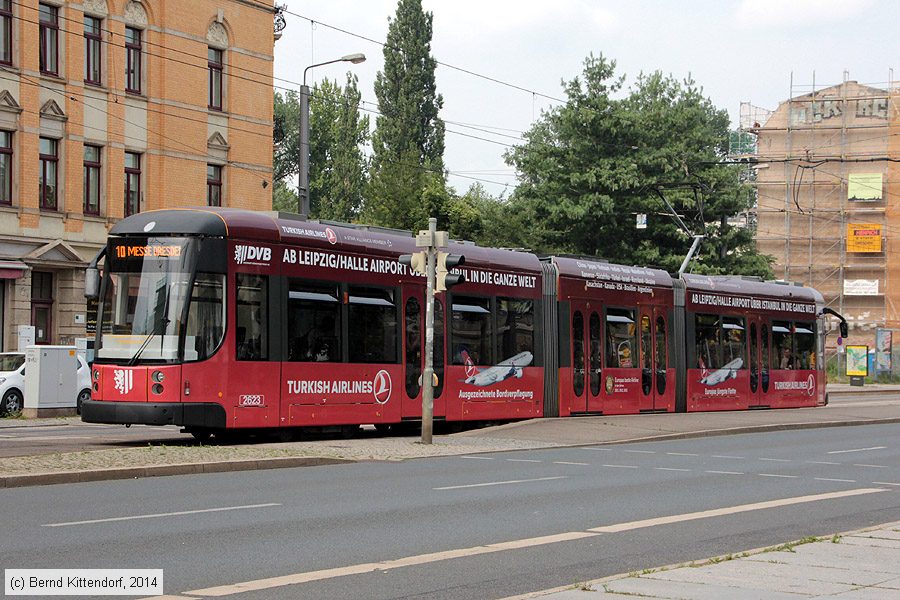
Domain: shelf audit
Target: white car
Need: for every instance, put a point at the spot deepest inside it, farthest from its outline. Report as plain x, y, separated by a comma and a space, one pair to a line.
12, 383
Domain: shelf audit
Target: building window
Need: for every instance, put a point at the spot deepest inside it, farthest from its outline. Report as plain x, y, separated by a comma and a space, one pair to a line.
49, 154
6, 18
215, 79
213, 185
132, 183
133, 60
91, 180
49, 20
92, 40
41, 305
6, 154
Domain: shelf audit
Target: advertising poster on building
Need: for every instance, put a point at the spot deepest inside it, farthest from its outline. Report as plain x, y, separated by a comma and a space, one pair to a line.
864, 187
860, 287
864, 237
857, 361
883, 343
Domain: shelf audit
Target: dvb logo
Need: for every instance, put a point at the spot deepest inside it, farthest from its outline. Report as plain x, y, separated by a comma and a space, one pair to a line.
252, 255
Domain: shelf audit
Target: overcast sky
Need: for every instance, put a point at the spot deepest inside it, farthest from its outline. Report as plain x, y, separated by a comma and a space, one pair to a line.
738, 50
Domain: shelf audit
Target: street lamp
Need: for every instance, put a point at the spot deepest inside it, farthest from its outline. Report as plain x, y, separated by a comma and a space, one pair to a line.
303, 200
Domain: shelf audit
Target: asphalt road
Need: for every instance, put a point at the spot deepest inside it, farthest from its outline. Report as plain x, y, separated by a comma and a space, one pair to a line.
79, 437
342, 529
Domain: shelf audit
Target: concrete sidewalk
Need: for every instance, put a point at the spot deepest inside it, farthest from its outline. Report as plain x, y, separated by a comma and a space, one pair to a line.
860, 565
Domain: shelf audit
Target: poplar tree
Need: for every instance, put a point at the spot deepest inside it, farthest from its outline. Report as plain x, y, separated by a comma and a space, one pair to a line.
408, 142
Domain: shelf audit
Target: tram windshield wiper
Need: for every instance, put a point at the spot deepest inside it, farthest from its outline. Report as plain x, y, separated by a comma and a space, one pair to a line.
164, 321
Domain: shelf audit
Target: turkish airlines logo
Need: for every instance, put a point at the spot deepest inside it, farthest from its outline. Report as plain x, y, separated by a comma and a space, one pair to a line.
470, 367
811, 385
252, 255
123, 381
331, 235
383, 387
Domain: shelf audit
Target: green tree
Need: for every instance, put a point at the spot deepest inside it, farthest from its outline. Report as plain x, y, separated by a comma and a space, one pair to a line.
589, 166
337, 166
408, 143
286, 136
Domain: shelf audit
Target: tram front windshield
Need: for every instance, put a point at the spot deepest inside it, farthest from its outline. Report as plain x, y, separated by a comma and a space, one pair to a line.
155, 307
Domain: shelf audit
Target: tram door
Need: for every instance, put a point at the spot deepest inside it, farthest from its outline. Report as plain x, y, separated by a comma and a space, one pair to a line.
758, 345
414, 354
587, 351
656, 392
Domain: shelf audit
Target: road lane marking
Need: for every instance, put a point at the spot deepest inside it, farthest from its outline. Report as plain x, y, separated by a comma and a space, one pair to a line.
821, 462
158, 515
621, 466
777, 475
577, 464
885, 483
837, 480
596, 448
856, 450
309, 576
871, 466
490, 483
478, 457
672, 469
727, 456
528, 460
718, 512
641, 451
682, 454
725, 472
776, 459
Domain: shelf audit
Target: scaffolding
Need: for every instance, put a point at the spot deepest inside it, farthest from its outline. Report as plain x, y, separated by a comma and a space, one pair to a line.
810, 152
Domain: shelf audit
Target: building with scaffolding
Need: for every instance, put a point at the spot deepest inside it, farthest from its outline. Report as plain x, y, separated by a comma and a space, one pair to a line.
826, 173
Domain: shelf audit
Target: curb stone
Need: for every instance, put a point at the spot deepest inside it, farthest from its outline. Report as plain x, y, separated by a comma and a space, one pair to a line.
14, 481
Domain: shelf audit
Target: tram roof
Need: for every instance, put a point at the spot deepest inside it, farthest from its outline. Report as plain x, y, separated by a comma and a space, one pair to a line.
735, 285
275, 227
585, 268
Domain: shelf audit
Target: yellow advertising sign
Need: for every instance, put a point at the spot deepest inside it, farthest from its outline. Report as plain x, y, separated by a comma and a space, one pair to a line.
857, 361
864, 237
864, 187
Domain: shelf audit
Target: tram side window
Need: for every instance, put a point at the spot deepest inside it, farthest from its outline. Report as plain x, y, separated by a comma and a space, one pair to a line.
781, 345
515, 326
314, 321
372, 323
621, 339
706, 333
206, 316
805, 344
471, 330
252, 317
734, 341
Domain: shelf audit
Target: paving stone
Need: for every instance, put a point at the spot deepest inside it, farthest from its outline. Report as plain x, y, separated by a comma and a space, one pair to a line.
650, 586
871, 542
885, 561
868, 593
757, 576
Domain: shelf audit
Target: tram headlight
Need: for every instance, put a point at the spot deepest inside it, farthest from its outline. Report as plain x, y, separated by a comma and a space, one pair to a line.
157, 388
96, 374
158, 376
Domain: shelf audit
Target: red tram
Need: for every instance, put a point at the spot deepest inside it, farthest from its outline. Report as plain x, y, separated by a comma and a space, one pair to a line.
218, 319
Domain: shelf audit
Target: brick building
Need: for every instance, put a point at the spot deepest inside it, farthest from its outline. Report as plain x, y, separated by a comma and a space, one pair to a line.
110, 107
829, 185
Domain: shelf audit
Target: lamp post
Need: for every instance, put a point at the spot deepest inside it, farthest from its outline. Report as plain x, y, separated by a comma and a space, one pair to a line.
303, 200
